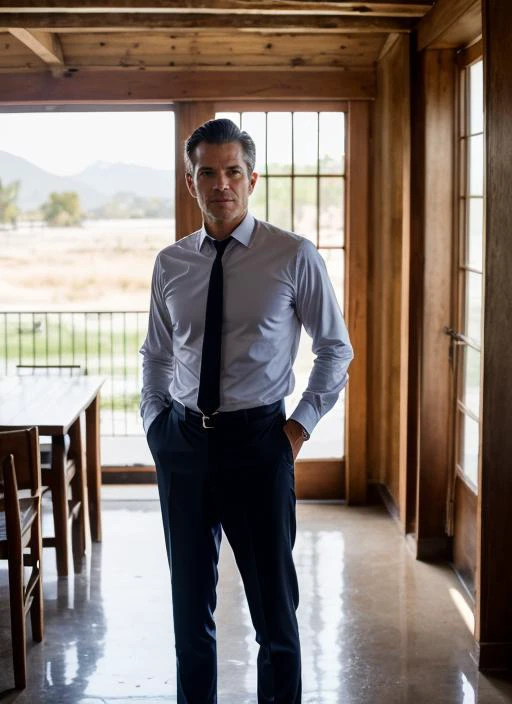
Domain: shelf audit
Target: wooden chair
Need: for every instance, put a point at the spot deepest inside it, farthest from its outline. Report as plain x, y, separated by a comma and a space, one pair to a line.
20, 528
64, 475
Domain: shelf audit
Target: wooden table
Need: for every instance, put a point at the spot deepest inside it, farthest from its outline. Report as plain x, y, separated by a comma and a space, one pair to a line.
54, 404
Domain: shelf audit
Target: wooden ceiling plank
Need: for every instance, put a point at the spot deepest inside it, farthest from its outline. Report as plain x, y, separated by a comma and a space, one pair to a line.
405, 8
200, 22
441, 20
45, 45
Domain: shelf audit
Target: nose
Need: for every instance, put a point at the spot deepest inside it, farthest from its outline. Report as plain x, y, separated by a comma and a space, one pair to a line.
221, 182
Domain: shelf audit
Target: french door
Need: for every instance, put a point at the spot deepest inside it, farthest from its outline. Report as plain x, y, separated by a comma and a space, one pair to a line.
467, 337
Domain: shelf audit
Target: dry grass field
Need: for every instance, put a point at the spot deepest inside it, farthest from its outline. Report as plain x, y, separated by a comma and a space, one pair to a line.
103, 265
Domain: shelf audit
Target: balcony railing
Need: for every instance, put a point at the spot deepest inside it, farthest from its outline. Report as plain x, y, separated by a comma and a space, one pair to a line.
105, 343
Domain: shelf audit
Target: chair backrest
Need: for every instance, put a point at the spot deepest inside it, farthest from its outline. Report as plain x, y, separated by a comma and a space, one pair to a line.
24, 446
50, 370
9, 500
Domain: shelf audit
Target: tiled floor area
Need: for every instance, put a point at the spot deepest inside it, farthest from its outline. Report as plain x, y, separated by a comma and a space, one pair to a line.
377, 627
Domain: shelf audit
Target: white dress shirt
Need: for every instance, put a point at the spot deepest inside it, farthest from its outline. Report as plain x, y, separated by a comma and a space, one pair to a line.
275, 282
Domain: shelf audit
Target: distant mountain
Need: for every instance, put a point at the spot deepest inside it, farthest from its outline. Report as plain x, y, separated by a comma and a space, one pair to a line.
37, 184
95, 185
110, 179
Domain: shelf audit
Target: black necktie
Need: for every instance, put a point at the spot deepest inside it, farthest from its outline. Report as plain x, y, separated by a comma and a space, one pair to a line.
208, 398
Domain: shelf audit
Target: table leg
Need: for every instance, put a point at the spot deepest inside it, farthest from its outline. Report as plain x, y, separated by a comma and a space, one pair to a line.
92, 427
78, 492
60, 504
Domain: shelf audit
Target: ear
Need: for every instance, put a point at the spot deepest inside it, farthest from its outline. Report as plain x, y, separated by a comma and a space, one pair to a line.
252, 181
190, 185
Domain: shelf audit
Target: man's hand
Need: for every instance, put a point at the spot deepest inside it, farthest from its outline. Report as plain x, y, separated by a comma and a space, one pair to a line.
293, 432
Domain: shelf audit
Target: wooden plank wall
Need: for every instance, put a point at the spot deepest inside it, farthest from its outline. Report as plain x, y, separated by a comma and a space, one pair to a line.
389, 275
494, 577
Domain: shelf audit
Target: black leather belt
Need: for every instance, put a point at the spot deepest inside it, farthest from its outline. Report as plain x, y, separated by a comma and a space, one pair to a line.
227, 418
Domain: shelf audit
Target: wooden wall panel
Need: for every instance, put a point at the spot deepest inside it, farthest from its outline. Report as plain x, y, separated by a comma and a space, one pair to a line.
436, 120
494, 575
389, 275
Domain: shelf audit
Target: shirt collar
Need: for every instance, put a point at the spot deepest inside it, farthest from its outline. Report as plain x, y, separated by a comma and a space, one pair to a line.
243, 232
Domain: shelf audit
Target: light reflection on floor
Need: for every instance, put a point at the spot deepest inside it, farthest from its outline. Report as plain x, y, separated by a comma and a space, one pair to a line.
376, 626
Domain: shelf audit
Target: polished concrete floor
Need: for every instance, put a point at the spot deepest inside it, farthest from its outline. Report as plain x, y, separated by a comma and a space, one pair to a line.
377, 627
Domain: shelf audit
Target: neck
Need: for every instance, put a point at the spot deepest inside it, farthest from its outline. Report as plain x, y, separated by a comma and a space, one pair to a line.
222, 230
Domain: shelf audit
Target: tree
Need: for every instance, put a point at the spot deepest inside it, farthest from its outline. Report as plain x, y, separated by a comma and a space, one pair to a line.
62, 209
9, 211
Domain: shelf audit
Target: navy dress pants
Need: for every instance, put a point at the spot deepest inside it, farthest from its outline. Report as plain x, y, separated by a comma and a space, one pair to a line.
237, 478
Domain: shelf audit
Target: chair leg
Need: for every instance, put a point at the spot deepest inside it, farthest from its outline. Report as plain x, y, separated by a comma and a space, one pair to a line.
60, 504
18, 629
36, 610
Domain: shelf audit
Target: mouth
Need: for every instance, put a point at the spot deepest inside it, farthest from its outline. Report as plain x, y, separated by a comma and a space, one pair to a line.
222, 200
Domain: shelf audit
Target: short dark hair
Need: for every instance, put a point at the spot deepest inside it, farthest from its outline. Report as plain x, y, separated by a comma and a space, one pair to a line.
220, 131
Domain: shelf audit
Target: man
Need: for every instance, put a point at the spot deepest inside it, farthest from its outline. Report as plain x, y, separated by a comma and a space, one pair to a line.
227, 305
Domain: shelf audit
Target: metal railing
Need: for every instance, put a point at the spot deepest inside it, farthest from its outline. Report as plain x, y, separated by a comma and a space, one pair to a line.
105, 343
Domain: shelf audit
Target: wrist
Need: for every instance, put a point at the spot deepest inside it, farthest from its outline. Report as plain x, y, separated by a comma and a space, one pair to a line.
300, 429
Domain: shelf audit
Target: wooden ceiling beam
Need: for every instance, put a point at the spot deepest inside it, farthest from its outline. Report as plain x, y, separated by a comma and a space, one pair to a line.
93, 87
61, 21
437, 29
43, 44
405, 8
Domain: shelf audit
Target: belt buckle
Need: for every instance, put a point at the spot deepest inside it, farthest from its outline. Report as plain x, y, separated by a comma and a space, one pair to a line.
206, 420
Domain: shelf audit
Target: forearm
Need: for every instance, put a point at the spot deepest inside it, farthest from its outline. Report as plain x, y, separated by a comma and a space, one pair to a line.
327, 379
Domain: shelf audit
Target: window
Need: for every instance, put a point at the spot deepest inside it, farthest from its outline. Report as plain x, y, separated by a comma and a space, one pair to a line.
300, 157
470, 270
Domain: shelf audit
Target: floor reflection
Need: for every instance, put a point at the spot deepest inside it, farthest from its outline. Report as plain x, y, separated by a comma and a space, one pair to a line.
376, 626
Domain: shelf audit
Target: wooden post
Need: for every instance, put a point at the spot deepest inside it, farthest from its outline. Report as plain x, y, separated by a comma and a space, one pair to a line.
432, 291
356, 285
188, 116
494, 548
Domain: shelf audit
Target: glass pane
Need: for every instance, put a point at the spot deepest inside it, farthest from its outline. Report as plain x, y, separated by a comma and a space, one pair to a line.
254, 124
280, 202
335, 263
305, 208
476, 93
470, 433
476, 165
258, 200
233, 116
475, 233
332, 142
473, 306
332, 212
305, 142
279, 142
471, 388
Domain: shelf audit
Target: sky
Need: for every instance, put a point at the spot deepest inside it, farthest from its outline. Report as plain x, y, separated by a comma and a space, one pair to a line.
64, 143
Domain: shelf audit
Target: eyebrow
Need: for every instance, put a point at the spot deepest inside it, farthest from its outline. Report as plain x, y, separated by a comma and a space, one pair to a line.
212, 168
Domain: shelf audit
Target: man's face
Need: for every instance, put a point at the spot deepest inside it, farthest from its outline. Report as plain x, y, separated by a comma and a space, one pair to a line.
220, 183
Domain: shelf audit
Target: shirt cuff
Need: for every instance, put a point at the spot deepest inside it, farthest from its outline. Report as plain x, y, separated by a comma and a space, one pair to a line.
150, 416
306, 415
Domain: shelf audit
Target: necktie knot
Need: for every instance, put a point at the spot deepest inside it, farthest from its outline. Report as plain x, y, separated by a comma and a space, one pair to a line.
220, 246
